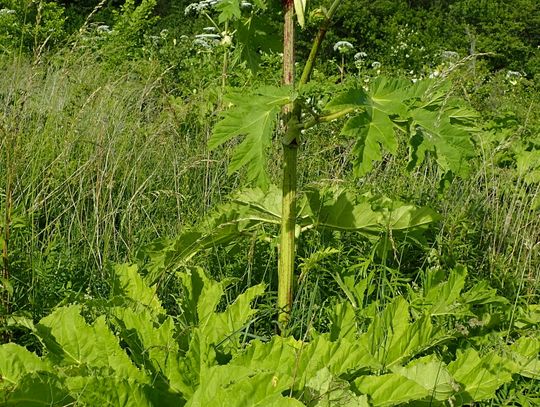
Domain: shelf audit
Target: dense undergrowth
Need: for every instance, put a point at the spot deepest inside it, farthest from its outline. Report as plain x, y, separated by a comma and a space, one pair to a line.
105, 160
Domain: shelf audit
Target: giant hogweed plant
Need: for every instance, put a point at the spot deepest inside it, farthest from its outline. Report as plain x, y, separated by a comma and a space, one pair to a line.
389, 113
127, 351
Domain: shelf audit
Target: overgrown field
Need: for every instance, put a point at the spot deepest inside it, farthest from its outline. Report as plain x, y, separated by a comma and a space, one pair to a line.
159, 177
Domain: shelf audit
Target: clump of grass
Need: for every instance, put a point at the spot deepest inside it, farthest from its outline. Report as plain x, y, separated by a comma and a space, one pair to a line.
99, 165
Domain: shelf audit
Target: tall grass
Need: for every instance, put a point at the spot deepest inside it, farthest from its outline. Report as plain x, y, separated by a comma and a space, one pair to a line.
97, 165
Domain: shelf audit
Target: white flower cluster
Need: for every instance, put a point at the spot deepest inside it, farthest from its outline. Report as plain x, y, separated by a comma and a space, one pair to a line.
343, 46
360, 56
450, 55
103, 29
200, 6
513, 77
6, 11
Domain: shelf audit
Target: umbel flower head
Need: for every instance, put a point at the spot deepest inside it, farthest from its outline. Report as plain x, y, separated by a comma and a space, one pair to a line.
359, 56
343, 47
200, 6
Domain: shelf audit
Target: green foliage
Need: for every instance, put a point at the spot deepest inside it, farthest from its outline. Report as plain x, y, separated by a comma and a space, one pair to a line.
134, 354
431, 120
323, 208
254, 117
30, 25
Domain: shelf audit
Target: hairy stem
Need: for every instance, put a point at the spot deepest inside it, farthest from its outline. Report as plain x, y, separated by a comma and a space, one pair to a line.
288, 218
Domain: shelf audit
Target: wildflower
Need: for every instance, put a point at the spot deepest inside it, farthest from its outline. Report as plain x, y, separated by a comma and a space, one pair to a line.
513, 77
360, 55
450, 55
103, 29
200, 6
208, 36
246, 5
201, 43
376, 65
6, 11
343, 47
209, 29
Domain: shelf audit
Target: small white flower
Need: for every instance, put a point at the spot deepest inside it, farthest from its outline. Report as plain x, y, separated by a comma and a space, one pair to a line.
343, 46
246, 5
375, 64
6, 11
209, 29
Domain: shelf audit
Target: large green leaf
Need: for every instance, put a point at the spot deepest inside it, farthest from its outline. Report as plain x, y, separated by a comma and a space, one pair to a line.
229, 10
525, 353
393, 339
253, 116
479, 376
232, 385
423, 379
114, 391
296, 362
442, 298
16, 361
71, 341
326, 390
431, 119
255, 36
451, 144
341, 209
39, 389
128, 284
153, 347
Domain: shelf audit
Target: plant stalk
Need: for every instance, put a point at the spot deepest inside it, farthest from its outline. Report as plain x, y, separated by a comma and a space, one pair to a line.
291, 116
288, 216
310, 63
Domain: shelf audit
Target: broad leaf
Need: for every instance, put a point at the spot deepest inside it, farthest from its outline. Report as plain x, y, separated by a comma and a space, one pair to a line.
256, 36
114, 391
525, 353
326, 390
39, 389
16, 361
253, 116
393, 339
129, 284
452, 144
71, 341
229, 10
431, 120
296, 362
231, 385
479, 377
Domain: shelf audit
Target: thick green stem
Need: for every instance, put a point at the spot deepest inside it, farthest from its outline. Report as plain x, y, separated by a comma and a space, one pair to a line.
308, 68
291, 116
288, 216
288, 238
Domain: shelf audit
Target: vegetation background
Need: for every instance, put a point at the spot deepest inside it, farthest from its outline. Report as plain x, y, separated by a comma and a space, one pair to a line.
106, 109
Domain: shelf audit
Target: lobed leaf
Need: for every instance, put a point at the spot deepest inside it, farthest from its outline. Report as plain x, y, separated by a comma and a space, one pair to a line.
254, 117
479, 377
